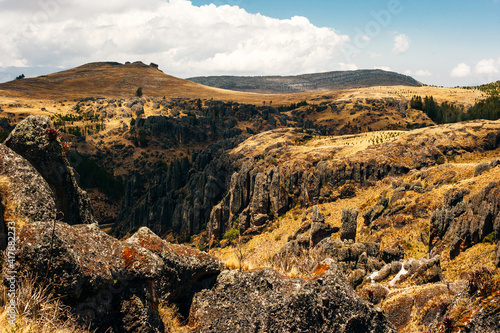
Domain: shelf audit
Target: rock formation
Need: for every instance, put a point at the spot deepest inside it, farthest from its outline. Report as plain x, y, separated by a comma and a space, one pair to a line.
264, 301
465, 223
28, 195
36, 140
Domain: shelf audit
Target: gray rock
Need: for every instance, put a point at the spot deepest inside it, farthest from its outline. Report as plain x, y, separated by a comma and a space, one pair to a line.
25, 194
31, 140
264, 301
349, 224
184, 271
107, 283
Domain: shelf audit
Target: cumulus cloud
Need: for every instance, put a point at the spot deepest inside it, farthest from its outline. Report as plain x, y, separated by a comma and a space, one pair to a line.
461, 70
401, 44
488, 66
184, 39
423, 72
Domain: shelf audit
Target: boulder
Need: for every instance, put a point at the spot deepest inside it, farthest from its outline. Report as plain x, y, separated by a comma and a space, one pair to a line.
184, 272
319, 229
35, 139
264, 301
349, 224
26, 196
107, 283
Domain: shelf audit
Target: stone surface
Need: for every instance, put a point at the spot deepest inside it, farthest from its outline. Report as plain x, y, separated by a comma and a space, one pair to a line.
465, 223
31, 139
107, 283
264, 301
184, 271
349, 224
26, 196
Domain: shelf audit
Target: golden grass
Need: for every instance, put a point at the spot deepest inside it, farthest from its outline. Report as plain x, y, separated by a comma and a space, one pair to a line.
38, 310
482, 254
170, 317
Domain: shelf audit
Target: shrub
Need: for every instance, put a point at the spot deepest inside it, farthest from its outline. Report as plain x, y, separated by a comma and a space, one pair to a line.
231, 234
138, 92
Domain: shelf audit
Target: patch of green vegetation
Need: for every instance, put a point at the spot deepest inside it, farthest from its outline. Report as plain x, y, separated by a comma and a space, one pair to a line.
92, 175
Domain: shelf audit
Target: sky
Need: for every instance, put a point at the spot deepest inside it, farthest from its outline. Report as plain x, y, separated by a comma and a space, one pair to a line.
438, 42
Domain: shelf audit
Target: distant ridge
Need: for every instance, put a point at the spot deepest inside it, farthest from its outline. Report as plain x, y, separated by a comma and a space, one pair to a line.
308, 82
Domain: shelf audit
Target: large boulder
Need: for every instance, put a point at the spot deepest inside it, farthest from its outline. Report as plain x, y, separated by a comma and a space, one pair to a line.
35, 139
264, 301
109, 284
184, 272
26, 196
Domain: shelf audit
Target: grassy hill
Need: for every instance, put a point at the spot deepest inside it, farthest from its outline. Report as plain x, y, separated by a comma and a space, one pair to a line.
308, 82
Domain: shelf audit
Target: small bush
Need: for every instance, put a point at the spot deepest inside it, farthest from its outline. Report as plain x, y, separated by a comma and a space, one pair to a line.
481, 281
231, 234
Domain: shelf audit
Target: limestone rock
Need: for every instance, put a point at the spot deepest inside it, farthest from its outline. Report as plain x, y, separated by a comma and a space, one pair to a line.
32, 140
349, 224
107, 283
264, 301
184, 270
465, 223
25, 194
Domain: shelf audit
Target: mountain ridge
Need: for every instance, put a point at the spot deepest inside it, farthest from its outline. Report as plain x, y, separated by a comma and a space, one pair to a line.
334, 80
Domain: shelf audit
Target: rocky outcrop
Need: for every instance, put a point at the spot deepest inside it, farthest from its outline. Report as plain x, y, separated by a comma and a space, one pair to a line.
465, 223
113, 284
26, 196
35, 139
264, 301
349, 224
266, 184
109, 284
184, 271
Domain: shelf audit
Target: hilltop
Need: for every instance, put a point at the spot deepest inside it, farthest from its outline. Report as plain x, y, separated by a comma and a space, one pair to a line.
337, 80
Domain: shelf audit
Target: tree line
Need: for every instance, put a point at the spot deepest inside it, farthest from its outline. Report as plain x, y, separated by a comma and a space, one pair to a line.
444, 113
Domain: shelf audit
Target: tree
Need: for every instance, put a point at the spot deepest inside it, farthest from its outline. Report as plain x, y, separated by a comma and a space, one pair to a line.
138, 93
20, 77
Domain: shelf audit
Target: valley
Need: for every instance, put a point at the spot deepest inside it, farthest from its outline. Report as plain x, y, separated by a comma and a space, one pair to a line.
351, 186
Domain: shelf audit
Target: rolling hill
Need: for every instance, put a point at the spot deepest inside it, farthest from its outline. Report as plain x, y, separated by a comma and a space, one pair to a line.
308, 82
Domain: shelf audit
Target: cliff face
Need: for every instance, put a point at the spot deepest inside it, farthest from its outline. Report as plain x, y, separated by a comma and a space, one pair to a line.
257, 180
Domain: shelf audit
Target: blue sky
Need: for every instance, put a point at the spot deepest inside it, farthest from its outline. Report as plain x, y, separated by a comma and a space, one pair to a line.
437, 42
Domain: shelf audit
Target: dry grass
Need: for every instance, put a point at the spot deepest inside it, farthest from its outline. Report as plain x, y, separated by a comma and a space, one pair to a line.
170, 317
38, 310
479, 255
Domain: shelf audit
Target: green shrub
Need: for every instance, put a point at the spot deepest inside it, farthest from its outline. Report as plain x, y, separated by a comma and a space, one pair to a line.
231, 234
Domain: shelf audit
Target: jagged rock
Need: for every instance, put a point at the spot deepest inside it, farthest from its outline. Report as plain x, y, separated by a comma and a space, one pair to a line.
264, 301
26, 196
184, 272
390, 254
349, 224
319, 229
31, 140
465, 224
485, 166
109, 284
138, 109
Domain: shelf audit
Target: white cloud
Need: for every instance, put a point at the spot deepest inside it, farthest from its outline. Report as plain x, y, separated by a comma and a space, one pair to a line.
384, 68
423, 72
374, 55
408, 72
182, 38
461, 70
487, 67
401, 44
